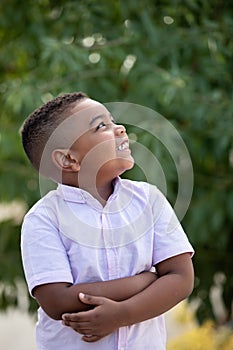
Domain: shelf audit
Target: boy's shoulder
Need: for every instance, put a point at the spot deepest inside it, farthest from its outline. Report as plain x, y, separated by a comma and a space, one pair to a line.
48, 200
141, 189
133, 183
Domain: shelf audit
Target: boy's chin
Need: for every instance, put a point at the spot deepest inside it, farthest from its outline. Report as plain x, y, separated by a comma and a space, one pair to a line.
126, 164
117, 166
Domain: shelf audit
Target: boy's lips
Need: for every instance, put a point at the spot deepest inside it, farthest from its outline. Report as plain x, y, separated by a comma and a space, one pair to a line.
123, 145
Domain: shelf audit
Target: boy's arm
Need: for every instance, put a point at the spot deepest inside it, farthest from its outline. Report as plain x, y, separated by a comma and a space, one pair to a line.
174, 284
58, 298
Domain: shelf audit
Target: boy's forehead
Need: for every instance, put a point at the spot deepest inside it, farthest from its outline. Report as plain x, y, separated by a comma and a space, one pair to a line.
88, 108
78, 122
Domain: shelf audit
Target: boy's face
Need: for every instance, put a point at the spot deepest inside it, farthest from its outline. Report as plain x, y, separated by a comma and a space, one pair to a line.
101, 147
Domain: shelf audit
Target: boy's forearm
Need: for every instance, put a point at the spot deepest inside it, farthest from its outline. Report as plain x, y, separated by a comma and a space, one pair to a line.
118, 289
59, 298
159, 297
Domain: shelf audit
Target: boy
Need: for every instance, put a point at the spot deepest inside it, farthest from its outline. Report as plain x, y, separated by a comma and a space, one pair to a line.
88, 247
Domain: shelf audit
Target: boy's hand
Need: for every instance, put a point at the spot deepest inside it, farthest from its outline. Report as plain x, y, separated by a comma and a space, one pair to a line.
95, 324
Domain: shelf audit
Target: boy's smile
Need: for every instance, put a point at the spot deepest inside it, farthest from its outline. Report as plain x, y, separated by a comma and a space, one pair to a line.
123, 146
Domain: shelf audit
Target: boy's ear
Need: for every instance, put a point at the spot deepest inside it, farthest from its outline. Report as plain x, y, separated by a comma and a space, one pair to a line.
65, 161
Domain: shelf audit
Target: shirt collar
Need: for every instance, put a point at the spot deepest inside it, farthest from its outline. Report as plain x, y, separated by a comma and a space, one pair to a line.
78, 195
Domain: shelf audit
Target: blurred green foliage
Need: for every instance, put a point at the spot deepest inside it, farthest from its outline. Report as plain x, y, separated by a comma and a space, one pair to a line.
172, 56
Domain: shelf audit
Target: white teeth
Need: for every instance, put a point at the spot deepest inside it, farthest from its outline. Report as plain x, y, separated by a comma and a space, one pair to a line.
123, 146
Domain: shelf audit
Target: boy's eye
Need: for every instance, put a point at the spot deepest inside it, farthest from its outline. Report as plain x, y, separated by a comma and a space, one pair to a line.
100, 125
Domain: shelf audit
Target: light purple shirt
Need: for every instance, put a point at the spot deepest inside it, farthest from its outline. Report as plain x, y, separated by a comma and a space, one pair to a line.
69, 237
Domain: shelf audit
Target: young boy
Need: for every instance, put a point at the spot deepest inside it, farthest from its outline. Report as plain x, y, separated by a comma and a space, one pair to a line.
89, 246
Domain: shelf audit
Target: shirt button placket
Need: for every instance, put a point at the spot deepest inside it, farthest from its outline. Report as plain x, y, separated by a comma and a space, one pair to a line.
111, 253
122, 336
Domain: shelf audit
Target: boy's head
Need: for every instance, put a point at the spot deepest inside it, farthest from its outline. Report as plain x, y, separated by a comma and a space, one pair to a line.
73, 132
40, 124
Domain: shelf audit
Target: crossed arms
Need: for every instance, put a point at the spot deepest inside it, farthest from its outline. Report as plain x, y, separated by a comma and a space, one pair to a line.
98, 309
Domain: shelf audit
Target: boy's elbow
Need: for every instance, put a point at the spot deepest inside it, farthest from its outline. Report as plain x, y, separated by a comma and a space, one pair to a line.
53, 299
188, 278
183, 289
52, 310
189, 289
188, 284
55, 315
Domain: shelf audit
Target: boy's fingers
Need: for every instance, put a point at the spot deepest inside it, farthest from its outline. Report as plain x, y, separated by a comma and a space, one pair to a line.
74, 317
90, 299
74, 324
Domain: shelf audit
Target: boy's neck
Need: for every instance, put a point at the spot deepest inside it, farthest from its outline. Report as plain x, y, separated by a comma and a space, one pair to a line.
99, 190
101, 193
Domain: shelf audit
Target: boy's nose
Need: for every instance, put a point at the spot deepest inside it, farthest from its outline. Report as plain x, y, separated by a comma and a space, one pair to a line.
120, 129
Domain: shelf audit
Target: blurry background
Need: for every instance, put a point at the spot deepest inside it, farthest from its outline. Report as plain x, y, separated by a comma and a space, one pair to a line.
172, 56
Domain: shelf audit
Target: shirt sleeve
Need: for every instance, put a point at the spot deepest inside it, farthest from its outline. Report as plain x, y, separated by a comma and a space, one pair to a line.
169, 237
43, 253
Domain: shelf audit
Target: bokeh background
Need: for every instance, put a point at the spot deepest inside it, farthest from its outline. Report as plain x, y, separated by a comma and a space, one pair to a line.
175, 57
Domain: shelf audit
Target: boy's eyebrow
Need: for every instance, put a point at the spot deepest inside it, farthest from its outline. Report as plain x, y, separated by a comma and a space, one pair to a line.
99, 117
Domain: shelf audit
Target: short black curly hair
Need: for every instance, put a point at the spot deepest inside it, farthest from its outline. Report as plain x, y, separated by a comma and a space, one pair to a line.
41, 123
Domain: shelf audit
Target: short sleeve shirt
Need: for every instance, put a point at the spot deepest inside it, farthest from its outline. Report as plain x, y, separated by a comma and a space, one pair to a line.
68, 236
